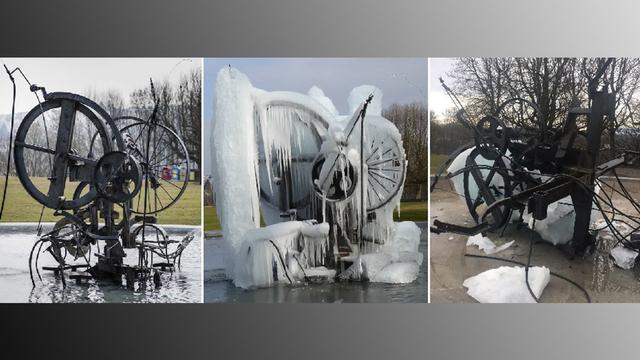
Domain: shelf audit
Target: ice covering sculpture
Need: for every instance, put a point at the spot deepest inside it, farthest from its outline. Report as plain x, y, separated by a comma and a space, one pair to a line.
292, 159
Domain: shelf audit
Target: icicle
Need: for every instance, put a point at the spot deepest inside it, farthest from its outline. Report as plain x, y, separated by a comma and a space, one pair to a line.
324, 207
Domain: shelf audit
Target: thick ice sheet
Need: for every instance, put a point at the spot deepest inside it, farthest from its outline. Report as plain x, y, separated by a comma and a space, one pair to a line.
485, 244
234, 159
608, 241
398, 261
280, 253
507, 284
624, 258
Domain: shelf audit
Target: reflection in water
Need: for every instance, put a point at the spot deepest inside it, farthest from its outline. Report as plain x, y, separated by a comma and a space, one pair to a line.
183, 285
217, 288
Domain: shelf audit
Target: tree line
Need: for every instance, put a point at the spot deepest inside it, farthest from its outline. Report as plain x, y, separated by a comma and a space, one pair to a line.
179, 109
412, 122
552, 85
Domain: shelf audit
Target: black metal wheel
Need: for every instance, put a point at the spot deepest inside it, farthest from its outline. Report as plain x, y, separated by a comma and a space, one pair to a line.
344, 182
117, 177
72, 237
492, 184
151, 237
53, 153
163, 159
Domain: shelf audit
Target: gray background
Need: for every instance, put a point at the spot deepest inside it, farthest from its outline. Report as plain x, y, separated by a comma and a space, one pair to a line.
322, 28
310, 28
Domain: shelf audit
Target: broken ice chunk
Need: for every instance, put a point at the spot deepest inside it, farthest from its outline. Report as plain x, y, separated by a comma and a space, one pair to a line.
485, 244
398, 273
624, 258
507, 284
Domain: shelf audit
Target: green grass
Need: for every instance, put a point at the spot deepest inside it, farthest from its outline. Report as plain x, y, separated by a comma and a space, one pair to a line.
436, 161
409, 211
21, 207
211, 221
187, 210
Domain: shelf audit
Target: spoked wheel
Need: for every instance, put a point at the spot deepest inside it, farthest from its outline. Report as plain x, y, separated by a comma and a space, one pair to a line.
285, 163
386, 166
72, 238
518, 113
53, 153
151, 237
164, 162
117, 177
485, 186
344, 181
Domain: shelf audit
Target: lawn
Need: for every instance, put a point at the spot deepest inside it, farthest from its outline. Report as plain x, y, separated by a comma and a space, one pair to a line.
21, 207
211, 221
409, 211
436, 161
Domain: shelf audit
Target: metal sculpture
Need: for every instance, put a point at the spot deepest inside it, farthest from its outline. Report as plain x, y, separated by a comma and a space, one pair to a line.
544, 166
318, 173
325, 185
107, 178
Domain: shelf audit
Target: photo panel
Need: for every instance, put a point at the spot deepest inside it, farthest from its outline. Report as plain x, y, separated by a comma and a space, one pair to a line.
534, 180
315, 180
101, 180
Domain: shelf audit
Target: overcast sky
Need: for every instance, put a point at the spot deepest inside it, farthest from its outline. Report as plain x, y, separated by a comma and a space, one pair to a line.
79, 75
402, 80
439, 101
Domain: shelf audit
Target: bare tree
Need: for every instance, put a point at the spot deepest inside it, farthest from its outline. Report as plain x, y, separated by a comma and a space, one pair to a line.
411, 121
547, 88
179, 109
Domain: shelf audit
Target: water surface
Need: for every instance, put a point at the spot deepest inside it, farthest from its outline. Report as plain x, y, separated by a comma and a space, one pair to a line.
16, 241
218, 289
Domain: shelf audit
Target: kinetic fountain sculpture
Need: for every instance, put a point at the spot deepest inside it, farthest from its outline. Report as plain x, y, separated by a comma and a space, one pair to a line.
107, 178
508, 170
547, 178
325, 185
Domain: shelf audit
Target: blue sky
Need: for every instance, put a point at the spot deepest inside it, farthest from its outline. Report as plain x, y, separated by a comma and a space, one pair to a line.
402, 80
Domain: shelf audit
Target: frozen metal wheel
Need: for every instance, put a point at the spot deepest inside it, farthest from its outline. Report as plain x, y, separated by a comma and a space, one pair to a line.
386, 166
